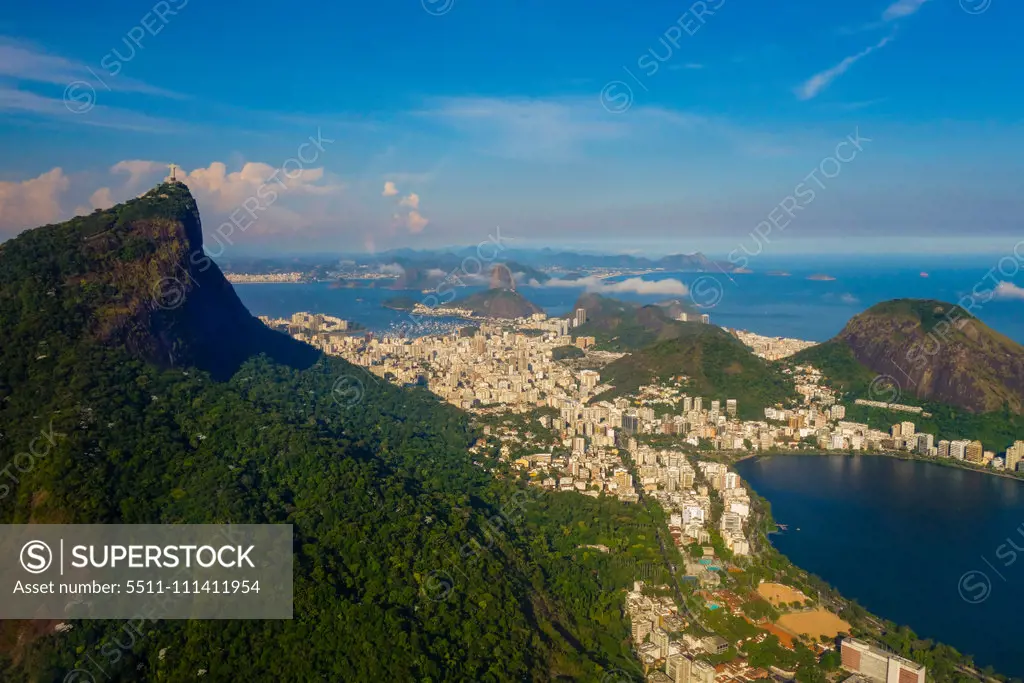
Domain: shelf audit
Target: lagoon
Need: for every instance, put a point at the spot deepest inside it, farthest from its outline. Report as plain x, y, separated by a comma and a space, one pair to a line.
936, 548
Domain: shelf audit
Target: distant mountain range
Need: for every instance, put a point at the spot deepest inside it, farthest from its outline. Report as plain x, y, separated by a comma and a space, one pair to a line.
568, 260
428, 268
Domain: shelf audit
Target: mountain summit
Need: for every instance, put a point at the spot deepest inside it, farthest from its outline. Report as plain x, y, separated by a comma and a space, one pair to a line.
137, 275
931, 350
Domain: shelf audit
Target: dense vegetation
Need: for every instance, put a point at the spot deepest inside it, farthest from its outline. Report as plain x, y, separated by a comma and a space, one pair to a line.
624, 326
567, 352
411, 562
717, 365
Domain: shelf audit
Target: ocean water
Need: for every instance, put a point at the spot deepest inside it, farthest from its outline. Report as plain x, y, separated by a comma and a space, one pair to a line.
927, 546
792, 306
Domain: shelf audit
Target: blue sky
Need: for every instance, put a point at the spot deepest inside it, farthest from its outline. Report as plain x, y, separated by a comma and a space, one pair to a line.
650, 126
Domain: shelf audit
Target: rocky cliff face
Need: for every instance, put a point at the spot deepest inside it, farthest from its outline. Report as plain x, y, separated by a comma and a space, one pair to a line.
937, 351
137, 275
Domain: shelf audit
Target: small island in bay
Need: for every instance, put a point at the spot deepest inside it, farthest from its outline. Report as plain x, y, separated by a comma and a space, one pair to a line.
399, 303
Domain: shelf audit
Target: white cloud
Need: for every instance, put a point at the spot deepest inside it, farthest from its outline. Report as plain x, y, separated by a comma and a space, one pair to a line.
901, 8
32, 202
415, 222
1008, 290
633, 285
389, 189
101, 199
138, 170
412, 201
818, 82
226, 191
392, 269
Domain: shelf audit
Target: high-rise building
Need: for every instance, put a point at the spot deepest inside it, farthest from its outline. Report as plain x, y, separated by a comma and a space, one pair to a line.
878, 665
731, 523
1014, 454
702, 672
958, 449
641, 627
687, 404
896, 431
579, 317
924, 443
698, 403
687, 476
907, 429
624, 480
659, 637
677, 668
730, 407
630, 424
943, 448
975, 452
589, 378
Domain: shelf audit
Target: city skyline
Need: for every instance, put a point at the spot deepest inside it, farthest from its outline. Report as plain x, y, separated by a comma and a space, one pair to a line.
665, 127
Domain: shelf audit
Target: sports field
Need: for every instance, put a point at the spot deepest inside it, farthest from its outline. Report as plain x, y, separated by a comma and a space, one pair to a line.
777, 594
815, 623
